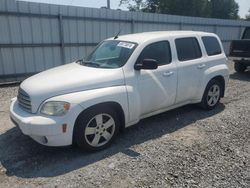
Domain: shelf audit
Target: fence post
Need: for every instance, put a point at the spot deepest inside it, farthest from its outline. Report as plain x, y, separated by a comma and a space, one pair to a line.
132, 25
61, 36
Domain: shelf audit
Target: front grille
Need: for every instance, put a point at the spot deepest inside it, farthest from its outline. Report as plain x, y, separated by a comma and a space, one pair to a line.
24, 100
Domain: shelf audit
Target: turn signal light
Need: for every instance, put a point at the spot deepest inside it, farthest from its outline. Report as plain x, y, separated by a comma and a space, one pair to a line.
64, 128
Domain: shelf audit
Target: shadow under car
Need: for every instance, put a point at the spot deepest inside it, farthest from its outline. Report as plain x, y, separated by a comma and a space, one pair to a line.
22, 157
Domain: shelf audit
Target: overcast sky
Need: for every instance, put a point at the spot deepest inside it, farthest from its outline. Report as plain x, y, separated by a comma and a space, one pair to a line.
244, 4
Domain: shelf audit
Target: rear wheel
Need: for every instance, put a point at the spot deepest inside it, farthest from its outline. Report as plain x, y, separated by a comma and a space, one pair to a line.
212, 95
96, 128
239, 67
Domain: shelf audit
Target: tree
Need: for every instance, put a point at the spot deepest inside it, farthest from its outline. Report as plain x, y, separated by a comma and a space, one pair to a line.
152, 6
184, 7
133, 5
227, 9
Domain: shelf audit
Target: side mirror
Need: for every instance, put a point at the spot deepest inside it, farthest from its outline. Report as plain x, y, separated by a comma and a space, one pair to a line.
148, 64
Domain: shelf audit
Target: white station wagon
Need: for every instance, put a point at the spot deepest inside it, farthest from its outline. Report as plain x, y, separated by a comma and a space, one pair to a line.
125, 79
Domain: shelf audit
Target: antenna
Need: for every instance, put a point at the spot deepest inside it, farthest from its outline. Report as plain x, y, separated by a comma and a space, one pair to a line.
117, 35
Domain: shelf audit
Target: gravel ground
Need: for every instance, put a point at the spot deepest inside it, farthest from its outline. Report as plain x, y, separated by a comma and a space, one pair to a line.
186, 147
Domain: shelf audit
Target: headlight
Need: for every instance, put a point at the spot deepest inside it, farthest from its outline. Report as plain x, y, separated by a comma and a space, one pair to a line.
55, 108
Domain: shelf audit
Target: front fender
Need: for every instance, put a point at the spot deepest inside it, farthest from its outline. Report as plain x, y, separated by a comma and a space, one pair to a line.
93, 97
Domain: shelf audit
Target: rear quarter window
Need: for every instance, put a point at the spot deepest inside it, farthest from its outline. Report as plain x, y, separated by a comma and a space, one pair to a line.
212, 45
188, 48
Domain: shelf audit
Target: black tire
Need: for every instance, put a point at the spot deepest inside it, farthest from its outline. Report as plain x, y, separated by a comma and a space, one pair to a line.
85, 120
239, 67
206, 98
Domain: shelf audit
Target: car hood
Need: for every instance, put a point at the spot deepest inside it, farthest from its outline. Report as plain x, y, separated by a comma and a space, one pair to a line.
69, 78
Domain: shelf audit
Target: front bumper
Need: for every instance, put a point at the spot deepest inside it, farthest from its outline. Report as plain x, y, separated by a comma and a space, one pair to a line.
46, 130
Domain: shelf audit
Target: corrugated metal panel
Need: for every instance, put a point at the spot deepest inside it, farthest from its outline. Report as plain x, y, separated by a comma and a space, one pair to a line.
8, 61
228, 33
46, 35
29, 60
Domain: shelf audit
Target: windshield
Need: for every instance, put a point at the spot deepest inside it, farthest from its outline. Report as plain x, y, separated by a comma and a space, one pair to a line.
110, 54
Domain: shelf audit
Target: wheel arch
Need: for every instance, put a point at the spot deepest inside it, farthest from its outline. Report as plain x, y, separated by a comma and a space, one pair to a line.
220, 73
115, 105
221, 80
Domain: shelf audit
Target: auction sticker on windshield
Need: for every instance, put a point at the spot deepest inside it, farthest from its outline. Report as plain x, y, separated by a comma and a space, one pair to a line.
126, 45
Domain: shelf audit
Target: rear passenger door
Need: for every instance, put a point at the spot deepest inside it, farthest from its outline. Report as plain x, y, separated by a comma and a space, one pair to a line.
190, 68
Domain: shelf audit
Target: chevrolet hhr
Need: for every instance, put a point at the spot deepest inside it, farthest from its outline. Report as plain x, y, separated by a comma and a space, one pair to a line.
124, 79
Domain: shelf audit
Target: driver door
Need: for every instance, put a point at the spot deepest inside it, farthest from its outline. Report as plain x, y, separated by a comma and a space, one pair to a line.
157, 88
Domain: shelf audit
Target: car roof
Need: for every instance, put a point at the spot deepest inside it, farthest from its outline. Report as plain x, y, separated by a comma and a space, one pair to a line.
145, 36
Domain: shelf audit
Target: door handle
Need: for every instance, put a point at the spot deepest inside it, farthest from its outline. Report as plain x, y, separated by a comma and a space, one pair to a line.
167, 74
201, 66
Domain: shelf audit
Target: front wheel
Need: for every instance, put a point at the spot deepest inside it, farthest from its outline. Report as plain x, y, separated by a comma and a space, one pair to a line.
96, 128
212, 95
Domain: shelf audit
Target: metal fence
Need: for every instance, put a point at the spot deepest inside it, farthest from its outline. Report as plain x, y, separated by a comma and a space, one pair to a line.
35, 37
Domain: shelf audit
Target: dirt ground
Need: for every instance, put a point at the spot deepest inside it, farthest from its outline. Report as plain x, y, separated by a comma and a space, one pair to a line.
186, 147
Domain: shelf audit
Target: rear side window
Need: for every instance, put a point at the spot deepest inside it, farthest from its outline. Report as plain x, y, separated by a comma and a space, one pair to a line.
187, 49
159, 51
212, 45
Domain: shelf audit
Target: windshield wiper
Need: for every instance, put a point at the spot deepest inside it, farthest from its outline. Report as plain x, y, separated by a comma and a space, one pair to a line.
91, 64
87, 63
80, 61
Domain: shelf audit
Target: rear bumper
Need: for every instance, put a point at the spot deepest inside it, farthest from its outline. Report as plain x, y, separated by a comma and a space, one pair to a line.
46, 130
243, 59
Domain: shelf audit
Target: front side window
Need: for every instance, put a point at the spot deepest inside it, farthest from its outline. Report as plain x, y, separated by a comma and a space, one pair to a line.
159, 51
188, 49
110, 54
212, 46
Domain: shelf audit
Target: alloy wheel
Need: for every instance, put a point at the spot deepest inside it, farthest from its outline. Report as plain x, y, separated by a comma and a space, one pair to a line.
99, 130
213, 95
